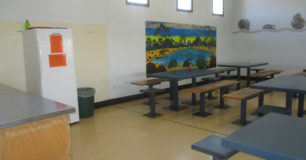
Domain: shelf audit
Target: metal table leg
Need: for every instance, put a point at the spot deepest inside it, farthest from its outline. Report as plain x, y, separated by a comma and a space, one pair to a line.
174, 90
248, 76
238, 77
289, 102
260, 103
193, 97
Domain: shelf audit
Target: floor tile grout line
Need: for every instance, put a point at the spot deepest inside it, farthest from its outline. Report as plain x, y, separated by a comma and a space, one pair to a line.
184, 124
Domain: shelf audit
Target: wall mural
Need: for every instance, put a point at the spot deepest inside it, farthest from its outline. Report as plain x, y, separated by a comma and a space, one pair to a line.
171, 46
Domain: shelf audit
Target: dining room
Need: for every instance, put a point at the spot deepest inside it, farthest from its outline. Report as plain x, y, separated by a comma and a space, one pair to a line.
171, 79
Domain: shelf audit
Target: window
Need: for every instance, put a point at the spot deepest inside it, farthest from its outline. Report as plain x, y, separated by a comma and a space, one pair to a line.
218, 7
184, 5
138, 2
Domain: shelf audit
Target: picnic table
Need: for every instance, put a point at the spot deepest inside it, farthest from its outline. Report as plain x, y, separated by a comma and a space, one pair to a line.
175, 76
239, 65
288, 84
273, 137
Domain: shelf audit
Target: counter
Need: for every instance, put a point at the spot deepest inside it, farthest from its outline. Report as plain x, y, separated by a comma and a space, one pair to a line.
33, 127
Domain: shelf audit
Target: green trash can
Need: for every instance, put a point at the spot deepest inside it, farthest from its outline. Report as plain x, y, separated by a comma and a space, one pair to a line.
86, 98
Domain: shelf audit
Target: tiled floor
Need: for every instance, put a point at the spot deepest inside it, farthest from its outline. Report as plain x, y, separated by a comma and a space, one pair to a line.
120, 132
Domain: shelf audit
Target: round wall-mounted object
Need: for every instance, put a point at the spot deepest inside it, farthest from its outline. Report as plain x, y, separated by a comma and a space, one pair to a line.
244, 24
297, 22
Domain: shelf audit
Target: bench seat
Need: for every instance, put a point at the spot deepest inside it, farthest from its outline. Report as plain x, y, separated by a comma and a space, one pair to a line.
207, 88
150, 81
299, 74
257, 69
212, 145
266, 73
243, 95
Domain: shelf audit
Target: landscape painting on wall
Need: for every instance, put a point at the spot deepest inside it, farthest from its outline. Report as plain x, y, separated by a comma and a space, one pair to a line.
171, 46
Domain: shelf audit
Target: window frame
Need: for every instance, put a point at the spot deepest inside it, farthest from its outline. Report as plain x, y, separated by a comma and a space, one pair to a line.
221, 15
138, 4
183, 10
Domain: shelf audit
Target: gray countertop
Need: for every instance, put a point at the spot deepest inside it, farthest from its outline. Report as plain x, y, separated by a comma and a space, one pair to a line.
19, 107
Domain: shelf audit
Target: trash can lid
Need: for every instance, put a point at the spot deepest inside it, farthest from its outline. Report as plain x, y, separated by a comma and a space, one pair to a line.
86, 92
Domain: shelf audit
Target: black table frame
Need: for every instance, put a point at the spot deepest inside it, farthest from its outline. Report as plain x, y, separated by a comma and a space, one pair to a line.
174, 86
289, 93
240, 65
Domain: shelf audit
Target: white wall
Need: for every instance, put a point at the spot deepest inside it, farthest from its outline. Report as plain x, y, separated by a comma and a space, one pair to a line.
124, 62
87, 20
285, 50
64, 11
126, 36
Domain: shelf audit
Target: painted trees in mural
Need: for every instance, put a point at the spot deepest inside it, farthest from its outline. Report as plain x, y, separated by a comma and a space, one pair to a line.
172, 46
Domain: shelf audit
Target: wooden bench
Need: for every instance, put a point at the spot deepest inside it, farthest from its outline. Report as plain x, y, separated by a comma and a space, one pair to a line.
152, 92
257, 70
217, 77
243, 95
209, 87
262, 75
150, 83
212, 145
299, 74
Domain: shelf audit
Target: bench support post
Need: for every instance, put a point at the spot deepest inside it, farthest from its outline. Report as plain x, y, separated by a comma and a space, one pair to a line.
242, 120
202, 112
238, 77
243, 112
152, 113
222, 105
149, 103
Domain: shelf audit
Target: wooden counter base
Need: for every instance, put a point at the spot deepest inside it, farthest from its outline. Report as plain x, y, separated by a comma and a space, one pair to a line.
47, 139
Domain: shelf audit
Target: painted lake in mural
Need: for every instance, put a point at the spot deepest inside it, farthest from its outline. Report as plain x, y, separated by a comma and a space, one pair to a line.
171, 46
189, 54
